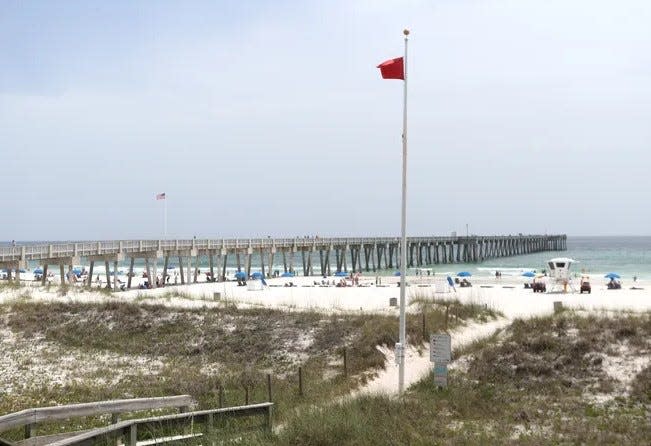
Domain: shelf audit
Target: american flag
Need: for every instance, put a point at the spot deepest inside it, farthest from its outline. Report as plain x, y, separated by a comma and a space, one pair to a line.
160, 196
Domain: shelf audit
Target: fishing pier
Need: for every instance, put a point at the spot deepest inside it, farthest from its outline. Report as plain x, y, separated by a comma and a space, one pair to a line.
315, 254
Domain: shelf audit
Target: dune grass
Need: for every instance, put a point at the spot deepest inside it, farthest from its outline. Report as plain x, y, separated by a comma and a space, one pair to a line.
125, 350
535, 384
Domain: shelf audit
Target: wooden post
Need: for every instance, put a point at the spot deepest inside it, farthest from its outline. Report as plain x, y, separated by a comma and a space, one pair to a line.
165, 265
44, 278
108, 274
246, 395
62, 272
148, 269
189, 275
210, 422
133, 434
115, 418
212, 268
269, 394
268, 419
221, 396
90, 274
181, 270
345, 363
115, 275
196, 268
130, 272
30, 430
300, 381
224, 267
424, 331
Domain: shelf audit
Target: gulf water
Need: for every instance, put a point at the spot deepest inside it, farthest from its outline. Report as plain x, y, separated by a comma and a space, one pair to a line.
627, 255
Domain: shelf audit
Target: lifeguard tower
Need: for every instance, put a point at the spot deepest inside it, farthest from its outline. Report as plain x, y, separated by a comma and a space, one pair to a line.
559, 273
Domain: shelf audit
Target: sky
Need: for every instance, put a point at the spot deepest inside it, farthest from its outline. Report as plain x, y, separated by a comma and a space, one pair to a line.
270, 118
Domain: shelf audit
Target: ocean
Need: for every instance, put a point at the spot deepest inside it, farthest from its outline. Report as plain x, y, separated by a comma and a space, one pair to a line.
626, 255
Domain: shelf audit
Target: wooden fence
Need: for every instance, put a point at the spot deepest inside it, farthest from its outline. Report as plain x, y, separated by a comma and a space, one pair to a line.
128, 429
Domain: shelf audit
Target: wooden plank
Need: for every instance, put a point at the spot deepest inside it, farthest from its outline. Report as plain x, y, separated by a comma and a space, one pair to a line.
168, 439
47, 439
42, 414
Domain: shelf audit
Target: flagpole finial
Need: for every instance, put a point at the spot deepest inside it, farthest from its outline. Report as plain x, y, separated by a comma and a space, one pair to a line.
405, 32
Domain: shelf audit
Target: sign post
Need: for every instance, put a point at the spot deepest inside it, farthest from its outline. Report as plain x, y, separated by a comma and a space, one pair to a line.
440, 353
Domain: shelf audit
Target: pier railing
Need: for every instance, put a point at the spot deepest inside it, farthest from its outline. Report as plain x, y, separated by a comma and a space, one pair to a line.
510, 243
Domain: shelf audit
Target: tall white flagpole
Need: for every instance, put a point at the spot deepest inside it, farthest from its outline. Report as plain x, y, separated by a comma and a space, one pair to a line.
165, 217
403, 244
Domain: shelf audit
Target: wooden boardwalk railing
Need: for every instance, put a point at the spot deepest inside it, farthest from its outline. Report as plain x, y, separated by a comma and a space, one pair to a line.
30, 418
127, 429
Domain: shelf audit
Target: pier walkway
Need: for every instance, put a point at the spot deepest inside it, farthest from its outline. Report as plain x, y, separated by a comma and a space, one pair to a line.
348, 253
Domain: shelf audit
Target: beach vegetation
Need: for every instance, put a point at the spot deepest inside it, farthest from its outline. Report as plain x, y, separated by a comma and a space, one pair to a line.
75, 352
527, 385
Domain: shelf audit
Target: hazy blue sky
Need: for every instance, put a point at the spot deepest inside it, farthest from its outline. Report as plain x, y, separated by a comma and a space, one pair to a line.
269, 117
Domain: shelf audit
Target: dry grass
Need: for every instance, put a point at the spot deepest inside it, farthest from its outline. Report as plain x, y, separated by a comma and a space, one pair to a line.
72, 352
532, 384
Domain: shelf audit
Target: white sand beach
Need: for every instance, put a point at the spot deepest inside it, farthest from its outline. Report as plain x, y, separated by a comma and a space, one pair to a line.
506, 295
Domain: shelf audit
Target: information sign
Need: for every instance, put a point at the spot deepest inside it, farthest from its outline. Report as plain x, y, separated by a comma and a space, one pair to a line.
440, 348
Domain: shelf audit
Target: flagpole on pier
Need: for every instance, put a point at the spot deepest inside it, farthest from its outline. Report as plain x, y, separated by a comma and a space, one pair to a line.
403, 243
165, 218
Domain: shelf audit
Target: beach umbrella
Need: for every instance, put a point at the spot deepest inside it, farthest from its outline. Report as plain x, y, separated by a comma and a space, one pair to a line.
464, 274
397, 273
529, 274
341, 274
77, 271
612, 276
240, 275
22, 270
256, 275
38, 270
287, 274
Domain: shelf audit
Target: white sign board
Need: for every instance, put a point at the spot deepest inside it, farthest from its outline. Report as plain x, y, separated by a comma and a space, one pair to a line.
440, 348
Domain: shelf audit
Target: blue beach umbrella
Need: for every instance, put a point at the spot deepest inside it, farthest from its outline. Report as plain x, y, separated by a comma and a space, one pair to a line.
612, 276
464, 274
77, 271
397, 273
341, 274
38, 270
256, 275
529, 274
240, 275
287, 274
